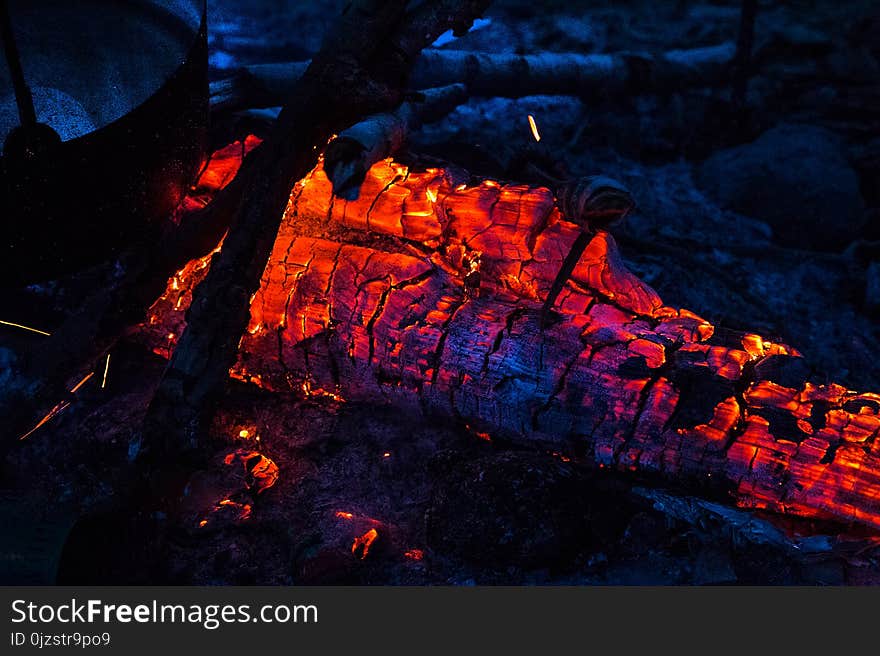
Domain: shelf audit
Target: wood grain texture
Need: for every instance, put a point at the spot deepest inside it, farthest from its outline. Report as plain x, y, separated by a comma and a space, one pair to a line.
375, 300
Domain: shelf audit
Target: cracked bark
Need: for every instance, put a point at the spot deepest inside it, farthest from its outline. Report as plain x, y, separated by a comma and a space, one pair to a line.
360, 69
621, 379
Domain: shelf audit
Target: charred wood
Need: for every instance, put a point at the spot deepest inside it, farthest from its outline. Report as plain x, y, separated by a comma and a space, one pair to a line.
359, 70
45, 373
368, 300
485, 74
350, 155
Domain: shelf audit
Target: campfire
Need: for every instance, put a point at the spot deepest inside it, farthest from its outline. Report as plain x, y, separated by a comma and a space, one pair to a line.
499, 387
618, 379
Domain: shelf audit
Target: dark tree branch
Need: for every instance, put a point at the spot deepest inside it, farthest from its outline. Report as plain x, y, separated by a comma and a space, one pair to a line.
508, 75
351, 154
743, 58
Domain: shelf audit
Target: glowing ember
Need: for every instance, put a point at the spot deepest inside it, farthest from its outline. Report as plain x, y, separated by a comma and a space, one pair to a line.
319, 393
168, 312
243, 510
219, 171
344, 515
227, 510
486, 437
361, 545
244, 433
261, 472
414, 554
387, 454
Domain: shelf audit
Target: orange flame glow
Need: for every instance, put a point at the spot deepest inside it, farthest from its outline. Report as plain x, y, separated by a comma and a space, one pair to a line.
812, 451
59, 407
534, 128
362, 543
414, 554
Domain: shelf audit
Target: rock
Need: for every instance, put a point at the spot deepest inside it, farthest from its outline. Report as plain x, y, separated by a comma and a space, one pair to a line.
794, 177
713, 567
646, 531
824, 571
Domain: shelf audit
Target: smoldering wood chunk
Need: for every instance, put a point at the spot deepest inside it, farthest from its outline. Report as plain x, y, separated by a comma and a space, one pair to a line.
514, 509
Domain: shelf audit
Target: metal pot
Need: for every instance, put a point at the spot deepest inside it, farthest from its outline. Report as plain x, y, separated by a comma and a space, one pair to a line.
124, 87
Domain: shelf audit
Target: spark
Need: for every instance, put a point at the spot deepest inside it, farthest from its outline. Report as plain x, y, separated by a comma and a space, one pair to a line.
106, 369
534, 127
387, 454
23, 327
59, 407
86, 378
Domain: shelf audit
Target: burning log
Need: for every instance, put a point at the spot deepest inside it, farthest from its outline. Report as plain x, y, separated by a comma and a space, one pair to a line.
506, 75
360, 70
369, 300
